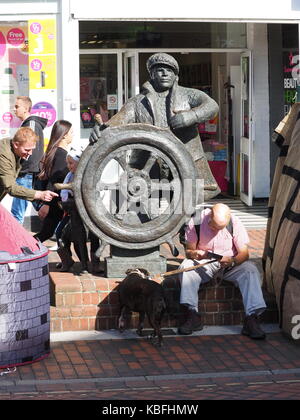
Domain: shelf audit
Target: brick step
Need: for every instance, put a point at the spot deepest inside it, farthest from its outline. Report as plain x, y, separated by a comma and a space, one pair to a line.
90, 302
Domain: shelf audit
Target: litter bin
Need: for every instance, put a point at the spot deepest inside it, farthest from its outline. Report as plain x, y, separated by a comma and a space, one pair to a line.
24, 295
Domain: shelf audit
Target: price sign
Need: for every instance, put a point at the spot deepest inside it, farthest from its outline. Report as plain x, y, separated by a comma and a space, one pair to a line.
7, 117
35, 28
36, 64
44, 110
15, 37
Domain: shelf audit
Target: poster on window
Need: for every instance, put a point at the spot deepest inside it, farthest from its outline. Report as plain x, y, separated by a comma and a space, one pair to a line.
42, 53
42, 65
93, 97
14, 76
93, 90
290, 79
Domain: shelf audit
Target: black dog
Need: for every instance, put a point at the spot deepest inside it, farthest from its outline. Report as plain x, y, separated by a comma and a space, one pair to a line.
140, 294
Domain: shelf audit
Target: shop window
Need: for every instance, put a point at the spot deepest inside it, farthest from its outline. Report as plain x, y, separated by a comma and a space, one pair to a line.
28, 68
14, 78
98, 87
162, 35
290, 78
290, 57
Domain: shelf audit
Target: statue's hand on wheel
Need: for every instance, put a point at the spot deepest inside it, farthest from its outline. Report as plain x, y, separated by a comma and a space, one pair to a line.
95, 134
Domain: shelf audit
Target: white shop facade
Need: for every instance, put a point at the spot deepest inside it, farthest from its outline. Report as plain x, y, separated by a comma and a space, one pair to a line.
75, 59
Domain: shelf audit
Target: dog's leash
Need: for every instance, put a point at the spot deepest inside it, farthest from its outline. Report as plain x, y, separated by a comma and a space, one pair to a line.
183, 270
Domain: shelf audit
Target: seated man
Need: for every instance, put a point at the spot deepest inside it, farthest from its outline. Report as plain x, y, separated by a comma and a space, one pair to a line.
215, 236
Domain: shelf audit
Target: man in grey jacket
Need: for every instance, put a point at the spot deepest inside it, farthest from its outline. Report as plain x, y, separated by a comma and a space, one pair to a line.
30, 168
165, 104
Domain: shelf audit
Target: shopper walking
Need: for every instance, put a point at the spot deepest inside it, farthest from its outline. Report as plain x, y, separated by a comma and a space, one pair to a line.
29, 168
54, 170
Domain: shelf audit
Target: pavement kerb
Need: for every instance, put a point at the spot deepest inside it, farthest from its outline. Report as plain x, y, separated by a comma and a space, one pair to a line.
271, 374
131, 334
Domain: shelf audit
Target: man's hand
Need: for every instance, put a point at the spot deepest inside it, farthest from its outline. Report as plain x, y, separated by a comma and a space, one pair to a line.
45, 195
227, 262
196, 254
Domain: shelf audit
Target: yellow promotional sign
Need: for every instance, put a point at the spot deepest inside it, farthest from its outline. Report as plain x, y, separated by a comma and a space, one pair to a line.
42, 53
42, 72
42, 36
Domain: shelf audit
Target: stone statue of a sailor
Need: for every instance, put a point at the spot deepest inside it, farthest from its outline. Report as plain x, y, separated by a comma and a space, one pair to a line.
165, 104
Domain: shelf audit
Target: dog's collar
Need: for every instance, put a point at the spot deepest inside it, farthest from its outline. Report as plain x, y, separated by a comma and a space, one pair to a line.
140, 273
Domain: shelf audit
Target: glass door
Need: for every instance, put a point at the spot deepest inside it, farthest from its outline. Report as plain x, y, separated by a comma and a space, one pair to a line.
98, 88
246, 151
107, 80
131, 74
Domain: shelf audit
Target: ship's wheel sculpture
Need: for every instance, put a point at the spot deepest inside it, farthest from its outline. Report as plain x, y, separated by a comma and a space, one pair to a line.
136, 187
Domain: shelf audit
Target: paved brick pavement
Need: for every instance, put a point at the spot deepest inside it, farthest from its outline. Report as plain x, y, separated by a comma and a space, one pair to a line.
185, 368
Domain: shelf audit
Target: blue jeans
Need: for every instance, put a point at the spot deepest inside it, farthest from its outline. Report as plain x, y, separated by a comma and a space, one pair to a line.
244, 276
19, 206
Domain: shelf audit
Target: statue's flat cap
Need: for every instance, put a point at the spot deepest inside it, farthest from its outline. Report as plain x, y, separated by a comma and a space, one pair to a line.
162, 59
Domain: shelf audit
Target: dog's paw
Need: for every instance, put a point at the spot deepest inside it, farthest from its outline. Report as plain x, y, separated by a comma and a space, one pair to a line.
156, 341
121, 325
152, 337
121, 328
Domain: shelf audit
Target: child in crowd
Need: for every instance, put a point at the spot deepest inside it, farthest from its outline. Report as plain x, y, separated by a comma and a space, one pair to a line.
54, 170
71, 228
72, 160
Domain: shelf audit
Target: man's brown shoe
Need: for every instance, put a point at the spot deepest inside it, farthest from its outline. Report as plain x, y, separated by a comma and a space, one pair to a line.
252, 328
192, 323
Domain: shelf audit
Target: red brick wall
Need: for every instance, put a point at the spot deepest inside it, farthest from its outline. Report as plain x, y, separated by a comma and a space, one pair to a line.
88, 302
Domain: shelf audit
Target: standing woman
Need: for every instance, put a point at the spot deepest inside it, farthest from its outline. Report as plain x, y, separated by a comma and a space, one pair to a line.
53, 170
